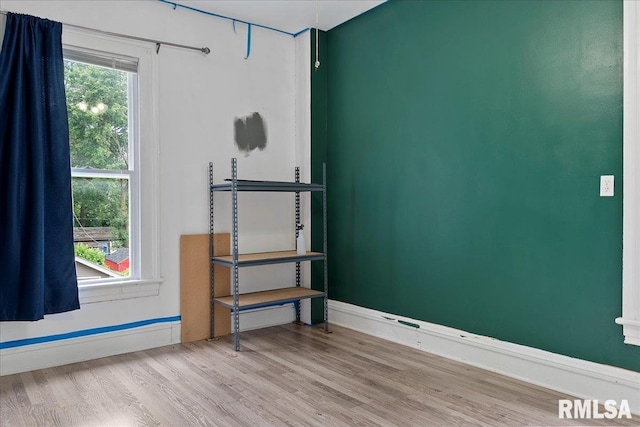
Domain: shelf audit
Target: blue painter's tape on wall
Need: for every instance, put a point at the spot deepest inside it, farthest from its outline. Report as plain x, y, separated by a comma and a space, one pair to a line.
300, 32
86, 332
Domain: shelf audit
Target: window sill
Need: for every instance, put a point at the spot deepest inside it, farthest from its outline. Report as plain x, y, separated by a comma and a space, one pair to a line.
631, 330
92, 293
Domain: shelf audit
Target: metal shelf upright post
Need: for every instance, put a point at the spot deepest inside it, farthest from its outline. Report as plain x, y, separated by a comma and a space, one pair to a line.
211, 252
324, 247
298, 231
234, 238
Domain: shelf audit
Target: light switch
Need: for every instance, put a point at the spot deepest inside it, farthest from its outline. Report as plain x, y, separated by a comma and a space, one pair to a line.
606, 186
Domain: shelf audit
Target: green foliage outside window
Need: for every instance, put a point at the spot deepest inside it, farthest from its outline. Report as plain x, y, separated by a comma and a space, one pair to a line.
97, 105
93, 255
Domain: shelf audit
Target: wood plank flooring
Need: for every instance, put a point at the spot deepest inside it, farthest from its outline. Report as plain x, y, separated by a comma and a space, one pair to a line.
286, 375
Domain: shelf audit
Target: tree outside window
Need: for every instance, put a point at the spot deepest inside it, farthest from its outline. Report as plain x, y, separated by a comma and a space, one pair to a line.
99, 113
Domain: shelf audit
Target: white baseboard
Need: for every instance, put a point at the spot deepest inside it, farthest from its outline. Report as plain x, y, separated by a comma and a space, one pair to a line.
62, 352
575, 377
264, 317
29, 357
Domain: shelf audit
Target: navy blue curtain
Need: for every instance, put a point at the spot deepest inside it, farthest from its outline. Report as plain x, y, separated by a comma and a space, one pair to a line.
37, 263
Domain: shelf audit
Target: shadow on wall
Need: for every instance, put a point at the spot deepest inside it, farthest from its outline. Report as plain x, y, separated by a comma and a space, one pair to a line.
250, 132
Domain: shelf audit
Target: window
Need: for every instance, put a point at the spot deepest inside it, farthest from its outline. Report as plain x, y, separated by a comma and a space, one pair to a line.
102, 109
111, 102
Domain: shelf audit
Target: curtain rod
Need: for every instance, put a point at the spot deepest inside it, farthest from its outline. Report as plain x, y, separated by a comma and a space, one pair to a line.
158, 43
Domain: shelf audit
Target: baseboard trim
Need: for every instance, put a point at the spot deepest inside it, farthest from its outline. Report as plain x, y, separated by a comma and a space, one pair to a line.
575, 377
79, 348
264, 317
87, 344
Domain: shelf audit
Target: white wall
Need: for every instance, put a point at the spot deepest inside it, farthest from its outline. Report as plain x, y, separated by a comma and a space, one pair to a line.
198, 98
303, 150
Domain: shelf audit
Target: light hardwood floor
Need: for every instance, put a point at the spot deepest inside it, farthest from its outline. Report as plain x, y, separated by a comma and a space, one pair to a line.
285, 375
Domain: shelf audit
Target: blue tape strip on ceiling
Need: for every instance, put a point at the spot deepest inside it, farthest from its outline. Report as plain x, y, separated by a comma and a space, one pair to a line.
176, 5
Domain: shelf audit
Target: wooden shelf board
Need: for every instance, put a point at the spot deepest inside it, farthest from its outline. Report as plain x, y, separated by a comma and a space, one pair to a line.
268, 257
271, 186
255, 299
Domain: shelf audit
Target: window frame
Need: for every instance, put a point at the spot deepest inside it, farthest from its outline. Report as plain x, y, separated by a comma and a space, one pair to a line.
630, 319
145, 276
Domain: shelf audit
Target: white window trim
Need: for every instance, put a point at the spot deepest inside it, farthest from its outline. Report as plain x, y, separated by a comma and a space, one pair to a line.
145, 223
630, 319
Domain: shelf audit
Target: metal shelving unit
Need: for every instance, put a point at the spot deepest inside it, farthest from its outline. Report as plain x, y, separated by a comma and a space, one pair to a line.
238, 301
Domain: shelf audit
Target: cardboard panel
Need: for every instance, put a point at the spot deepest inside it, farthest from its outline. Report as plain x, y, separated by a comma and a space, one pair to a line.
195, 293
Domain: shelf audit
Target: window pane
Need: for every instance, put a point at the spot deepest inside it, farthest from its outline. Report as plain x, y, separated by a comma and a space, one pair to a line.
101, 227
97, 104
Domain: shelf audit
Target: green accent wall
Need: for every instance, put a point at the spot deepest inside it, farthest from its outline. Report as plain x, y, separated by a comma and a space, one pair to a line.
465, 141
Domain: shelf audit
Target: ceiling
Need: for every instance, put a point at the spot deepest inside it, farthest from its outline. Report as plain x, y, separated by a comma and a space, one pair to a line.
291, 16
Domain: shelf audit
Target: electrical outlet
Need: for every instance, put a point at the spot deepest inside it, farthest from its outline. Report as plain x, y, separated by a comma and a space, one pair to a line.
606, 186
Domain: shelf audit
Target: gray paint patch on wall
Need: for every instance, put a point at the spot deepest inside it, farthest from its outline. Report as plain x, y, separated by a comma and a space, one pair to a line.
250, 132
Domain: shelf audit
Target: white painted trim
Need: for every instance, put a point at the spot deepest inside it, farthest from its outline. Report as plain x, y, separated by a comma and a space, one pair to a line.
302, 101
116, 291
57, 353
575, 377
264, 317
630, 319
143, 180
631, 329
